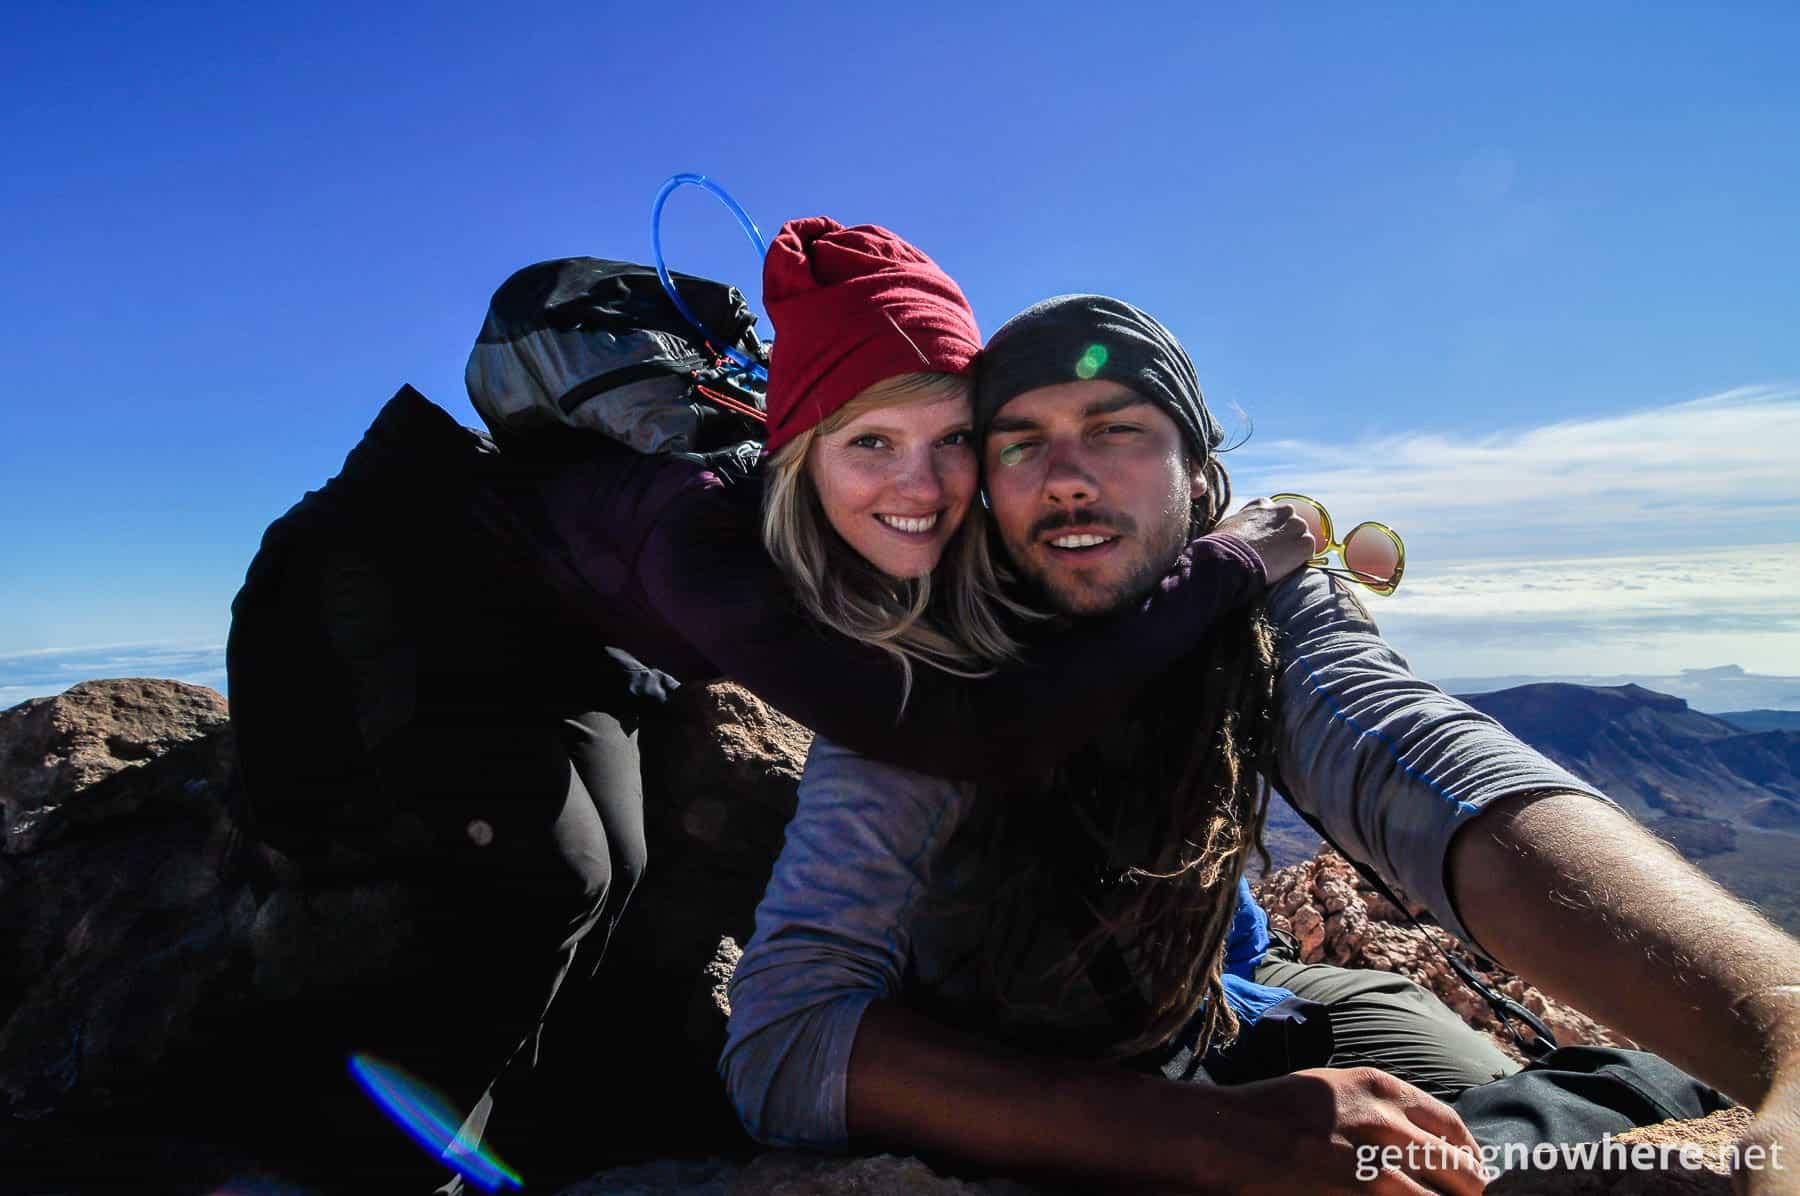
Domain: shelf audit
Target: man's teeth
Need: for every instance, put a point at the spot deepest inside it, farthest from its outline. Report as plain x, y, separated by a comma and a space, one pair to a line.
901, 523
1081, 541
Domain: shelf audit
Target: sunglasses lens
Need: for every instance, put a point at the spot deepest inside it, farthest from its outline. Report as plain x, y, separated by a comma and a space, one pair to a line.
1372, 554
1315, 519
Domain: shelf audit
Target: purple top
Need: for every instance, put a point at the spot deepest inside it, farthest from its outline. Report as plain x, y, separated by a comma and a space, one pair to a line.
664, 559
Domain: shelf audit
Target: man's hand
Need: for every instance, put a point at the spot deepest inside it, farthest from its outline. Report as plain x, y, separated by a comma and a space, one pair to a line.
1337, 1131
1277, 534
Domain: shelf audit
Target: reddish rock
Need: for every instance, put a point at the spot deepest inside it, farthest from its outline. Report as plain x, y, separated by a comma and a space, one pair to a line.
1365, 930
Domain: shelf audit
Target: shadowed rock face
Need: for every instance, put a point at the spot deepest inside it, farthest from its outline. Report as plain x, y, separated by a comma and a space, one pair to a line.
170, 988
1648, 751
67, 761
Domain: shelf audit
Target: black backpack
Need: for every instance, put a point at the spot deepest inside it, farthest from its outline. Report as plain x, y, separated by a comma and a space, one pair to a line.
585, 346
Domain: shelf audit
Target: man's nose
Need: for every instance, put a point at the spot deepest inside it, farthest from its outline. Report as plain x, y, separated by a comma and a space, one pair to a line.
1067, 480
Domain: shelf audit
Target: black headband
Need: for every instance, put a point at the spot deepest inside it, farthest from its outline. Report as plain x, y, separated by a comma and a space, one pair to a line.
1075, 337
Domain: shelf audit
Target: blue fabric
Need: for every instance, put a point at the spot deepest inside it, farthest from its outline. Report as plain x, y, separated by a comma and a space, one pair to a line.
1244, 949
1249, 938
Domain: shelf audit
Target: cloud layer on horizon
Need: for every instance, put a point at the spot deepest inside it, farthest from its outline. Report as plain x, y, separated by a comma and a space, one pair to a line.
1643, 543
1717, 690
27, 675
1720, 469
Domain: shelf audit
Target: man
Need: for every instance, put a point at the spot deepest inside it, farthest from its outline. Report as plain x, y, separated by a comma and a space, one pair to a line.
868, 1006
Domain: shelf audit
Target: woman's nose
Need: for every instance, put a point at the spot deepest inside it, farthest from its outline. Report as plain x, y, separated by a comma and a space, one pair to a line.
919, 477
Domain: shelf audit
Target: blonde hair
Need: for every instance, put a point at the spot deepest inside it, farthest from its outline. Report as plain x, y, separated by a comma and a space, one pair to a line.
950, 619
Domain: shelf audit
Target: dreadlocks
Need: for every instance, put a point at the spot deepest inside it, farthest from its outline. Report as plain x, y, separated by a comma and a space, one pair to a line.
1141, 839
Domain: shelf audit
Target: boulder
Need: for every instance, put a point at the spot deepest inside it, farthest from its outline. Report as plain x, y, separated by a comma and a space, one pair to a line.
72, 760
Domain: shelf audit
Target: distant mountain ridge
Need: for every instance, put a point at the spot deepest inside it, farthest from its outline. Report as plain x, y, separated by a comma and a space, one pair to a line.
1650, 752
1764, 720
1726, 793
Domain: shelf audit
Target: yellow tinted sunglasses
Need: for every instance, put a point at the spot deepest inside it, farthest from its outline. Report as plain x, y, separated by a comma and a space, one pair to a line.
1373, 553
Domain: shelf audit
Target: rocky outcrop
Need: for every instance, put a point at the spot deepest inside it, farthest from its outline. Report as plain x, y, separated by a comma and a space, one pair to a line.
144, 940
1339, 919
72, 760
116, 912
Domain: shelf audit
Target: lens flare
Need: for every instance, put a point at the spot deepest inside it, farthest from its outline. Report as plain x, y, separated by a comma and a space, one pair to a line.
1091, 361
426, 1116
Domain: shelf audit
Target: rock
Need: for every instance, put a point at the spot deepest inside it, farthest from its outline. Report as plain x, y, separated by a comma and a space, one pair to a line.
66, 761
791, 1173
1366, 930
1710, 1140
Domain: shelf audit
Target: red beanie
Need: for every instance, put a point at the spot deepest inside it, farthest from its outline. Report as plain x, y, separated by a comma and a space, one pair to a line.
850, 307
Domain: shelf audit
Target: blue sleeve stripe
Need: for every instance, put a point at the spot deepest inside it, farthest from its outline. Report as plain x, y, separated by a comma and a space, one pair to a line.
1393, 749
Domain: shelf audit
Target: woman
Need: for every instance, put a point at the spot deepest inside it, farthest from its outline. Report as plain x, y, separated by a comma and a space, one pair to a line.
435, 660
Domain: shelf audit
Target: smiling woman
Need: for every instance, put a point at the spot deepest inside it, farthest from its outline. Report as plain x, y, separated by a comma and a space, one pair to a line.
861, 509
895, 472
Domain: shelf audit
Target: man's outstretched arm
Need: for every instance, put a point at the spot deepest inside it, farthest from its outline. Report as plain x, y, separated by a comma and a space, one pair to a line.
1589, 906
1539, 869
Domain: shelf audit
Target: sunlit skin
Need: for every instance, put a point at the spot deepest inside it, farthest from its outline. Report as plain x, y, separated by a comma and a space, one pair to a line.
1089, 460
897, 482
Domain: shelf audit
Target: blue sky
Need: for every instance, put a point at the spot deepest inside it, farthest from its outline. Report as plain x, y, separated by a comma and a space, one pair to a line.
1522, 282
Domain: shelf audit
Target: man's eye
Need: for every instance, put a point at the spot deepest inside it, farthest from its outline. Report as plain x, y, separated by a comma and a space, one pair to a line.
1119, 429
957, 440
1013, 453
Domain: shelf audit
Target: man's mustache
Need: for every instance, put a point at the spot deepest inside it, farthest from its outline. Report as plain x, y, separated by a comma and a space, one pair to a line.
1100, 518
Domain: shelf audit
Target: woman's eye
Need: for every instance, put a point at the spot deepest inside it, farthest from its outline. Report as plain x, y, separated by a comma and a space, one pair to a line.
958, 440
868, 442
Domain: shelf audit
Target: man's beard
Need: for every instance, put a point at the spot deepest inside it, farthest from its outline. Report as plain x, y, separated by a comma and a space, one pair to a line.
1127, 593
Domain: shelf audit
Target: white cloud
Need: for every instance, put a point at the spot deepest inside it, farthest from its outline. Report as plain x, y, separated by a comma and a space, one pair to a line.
1656, 613
41, 673
1715, 470
1647, 542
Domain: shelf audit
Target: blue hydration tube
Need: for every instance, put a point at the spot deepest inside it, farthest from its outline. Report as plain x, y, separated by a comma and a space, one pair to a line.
662, 271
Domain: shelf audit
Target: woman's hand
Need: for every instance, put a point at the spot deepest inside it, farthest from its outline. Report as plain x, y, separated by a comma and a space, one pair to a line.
1275, 532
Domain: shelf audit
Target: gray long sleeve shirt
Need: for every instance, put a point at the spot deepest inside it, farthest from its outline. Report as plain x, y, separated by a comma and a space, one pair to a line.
862, 905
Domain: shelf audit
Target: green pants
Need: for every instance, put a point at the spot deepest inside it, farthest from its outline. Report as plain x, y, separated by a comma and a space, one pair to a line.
1380, 1019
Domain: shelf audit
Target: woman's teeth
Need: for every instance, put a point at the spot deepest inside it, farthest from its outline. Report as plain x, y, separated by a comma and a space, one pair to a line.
1081, 541
901, 523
